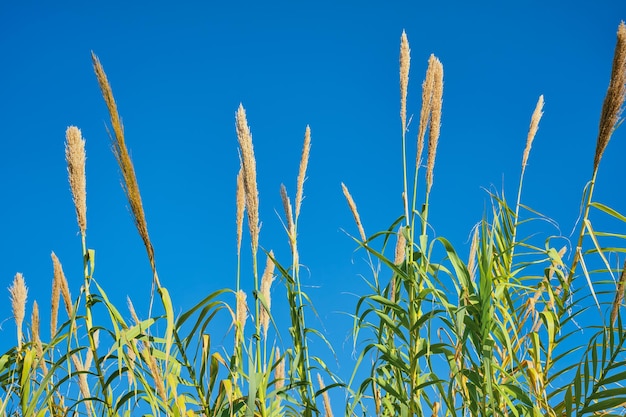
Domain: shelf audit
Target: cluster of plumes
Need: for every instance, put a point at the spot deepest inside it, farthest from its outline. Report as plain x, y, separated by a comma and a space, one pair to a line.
614, 100
75, 157
60, 288
131, 187
432, 102
532, 131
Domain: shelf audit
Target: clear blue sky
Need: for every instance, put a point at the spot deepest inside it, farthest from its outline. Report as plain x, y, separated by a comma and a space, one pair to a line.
179, 72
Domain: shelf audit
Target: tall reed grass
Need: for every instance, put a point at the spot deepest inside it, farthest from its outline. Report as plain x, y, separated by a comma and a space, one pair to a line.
497, 334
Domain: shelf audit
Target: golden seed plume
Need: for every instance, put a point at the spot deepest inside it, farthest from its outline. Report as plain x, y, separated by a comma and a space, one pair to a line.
279, 371
614, 100
532, 131
400, 248
131, 309
435, 120
54, 304
427, 98
241, 315
291, 231
405, 63
19, 294
266, 285
241, 207
59, 277
35, 328
327, 409
304, 162
75, 156
619, 295
130, 185
248, 163
354, 211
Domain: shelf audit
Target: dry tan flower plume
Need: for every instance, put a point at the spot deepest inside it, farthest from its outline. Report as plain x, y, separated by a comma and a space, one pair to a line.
75, 156
266, 285
248, 163
304, 162
405, 63
400, 248
241, 315
291, 229
532, 131
435, 119
427, 98
60, 281
354, 211
619, 295
614, 100
130, 185
327, 409
279, 371
19, 294
241, 207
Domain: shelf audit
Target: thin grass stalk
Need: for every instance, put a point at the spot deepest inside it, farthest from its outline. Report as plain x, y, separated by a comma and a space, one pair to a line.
612, 108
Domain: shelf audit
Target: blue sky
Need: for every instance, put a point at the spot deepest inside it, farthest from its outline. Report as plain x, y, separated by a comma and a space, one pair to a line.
178, 74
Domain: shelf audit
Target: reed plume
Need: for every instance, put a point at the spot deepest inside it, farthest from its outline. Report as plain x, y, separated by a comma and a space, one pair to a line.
619, 295
471, 263
326, 399
291, 229
405, 63
532, 131
400, 248
60, 281
614, 100
130, 185
75, 157
304, 162
427, 98
241, 207
266, 285
355, 212
240, 316
248, 163
435, 118
19, 293
279, 371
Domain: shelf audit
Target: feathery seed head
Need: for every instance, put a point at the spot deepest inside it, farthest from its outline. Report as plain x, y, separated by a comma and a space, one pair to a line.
405, 63
248, 163
241, 315
291, 229
19, 293
354, 211
75, 156
304, 162
56, 295
532, 131
427, 98
400, 248
266, 285
130, 185
326, 399
435, 120
614, 100
619, 295
61, 281
241, 207
279, 371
